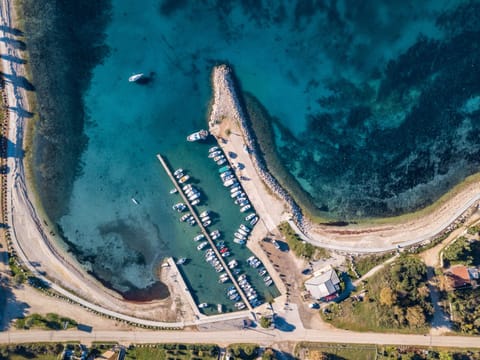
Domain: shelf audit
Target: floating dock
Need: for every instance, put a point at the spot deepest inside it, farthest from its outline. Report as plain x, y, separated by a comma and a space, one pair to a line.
204, 231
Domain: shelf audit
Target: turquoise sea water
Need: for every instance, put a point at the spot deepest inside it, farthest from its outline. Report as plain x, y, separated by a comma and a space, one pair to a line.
378, 102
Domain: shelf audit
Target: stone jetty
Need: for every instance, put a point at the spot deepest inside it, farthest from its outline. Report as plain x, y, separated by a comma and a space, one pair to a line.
226, 103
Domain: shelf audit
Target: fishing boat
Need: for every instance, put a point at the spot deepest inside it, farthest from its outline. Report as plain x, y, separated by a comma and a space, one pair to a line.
239, 241
213, 148
240, 305
173, 191
228, 182
179, 207
135, 77
199, 135
199, 237
243, 232
202, 305
235, 189
235, 194
204, 213
245, 208
250, 217
245, 228
183, 179
254, 221
239, 236
202, 245
181, 261
214, 154
224, 169
135, 201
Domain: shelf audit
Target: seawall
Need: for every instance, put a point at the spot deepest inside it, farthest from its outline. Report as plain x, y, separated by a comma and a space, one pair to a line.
226, 103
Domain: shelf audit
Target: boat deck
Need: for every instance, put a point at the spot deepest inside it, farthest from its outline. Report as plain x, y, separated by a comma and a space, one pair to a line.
205, 232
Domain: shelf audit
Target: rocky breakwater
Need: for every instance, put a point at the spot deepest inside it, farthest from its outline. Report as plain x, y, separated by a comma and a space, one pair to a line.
227, 105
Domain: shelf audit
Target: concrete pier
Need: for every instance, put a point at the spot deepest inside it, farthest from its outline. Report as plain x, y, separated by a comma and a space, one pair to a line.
204, 231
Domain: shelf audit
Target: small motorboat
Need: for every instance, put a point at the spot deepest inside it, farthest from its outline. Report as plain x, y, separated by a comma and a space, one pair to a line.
203, 305
181, 261
219, 308
250, 217
183, 179
135, 77
239, 241
195, 202
254, 221
213, 148
173, 191
135, 201
178, 172
206, 223
199, 237
205, 213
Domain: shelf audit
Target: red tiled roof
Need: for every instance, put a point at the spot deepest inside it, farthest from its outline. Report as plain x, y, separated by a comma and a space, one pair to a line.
460, 275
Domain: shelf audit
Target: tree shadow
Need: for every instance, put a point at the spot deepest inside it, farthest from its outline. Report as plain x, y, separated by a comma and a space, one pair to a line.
20, 81
281, 324
12, 150
21, 112
10, 308
10, 30
13, 59
17, 44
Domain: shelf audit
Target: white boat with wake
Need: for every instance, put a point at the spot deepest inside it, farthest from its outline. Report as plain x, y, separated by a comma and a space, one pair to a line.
135, 77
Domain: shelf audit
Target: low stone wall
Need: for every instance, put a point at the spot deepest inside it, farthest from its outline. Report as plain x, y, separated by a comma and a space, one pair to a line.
224, 88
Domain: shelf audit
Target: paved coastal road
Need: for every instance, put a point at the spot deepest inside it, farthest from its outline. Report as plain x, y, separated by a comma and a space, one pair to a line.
258, 336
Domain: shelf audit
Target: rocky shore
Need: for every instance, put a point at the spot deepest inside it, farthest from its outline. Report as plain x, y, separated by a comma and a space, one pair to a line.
224, 88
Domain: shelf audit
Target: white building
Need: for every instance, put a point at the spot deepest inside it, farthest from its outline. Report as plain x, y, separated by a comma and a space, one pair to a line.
324, 282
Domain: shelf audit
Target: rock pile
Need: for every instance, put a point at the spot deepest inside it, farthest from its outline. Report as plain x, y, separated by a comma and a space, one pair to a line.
224, 89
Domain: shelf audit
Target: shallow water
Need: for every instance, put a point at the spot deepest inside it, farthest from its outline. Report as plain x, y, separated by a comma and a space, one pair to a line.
363, 136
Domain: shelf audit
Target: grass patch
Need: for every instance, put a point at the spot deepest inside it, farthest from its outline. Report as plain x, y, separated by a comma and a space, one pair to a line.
364, 264
299, 247
173, 351
50, 321
396, 300
324, 351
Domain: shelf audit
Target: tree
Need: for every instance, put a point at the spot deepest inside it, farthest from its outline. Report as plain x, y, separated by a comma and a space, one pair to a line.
415, 316
387, 296
265, 322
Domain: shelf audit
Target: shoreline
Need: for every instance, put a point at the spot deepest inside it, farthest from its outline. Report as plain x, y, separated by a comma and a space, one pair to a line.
376, 235
30, 239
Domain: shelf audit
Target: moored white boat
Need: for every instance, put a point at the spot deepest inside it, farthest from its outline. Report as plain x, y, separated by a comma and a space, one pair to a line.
135, 201
203, 305
245, 208
250, 217
181, 261
199, 135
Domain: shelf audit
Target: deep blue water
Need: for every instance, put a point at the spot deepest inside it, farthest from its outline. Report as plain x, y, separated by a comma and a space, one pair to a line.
378, 104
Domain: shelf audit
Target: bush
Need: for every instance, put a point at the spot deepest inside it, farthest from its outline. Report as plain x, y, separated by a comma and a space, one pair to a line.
265, 322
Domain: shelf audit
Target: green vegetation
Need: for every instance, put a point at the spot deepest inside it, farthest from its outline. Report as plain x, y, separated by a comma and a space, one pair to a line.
364, 264
50, 321
40, 351
462, 251
173, 351
466, 310
474, 230
265, 322
323, 351
299, 247
243, 351
397, 299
